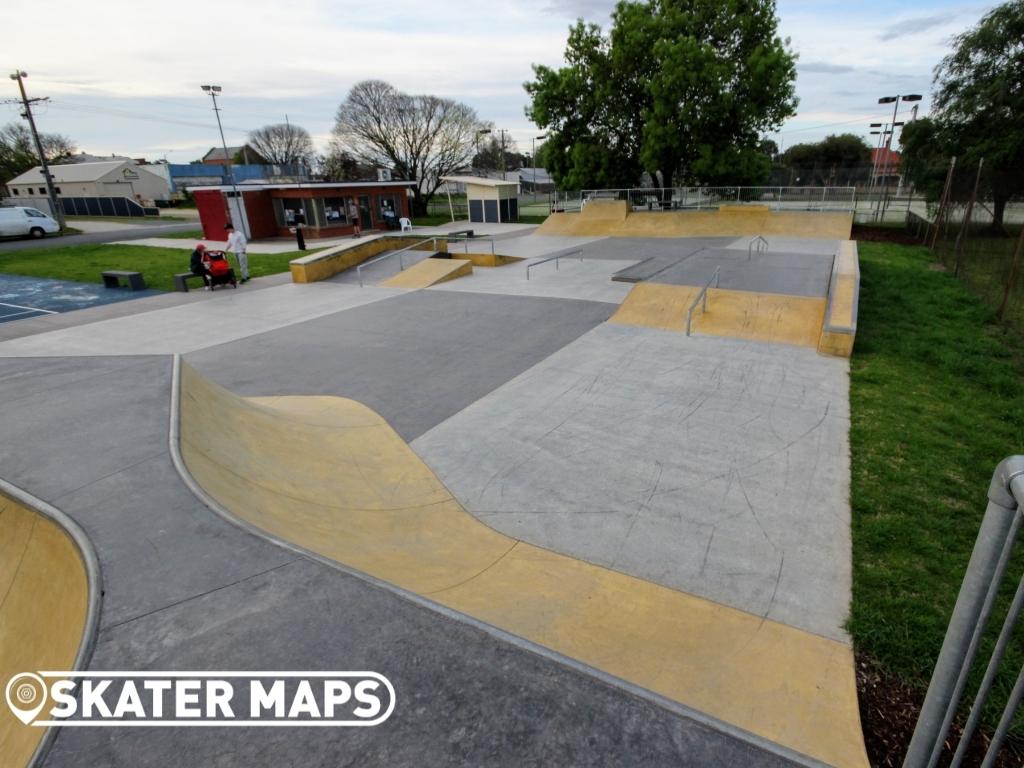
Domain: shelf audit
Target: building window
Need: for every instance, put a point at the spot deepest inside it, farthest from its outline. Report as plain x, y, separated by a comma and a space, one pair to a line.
42, 190
285, 209
15, 191
57, 190
335, 214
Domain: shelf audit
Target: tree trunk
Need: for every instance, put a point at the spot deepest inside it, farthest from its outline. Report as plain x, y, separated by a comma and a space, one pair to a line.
998, 208
666, 192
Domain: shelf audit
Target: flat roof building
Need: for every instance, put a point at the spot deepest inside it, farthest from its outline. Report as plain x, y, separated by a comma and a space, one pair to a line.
490, 200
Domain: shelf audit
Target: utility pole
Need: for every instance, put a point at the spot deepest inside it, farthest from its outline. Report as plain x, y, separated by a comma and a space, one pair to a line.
213, 90
504, 167
58, 212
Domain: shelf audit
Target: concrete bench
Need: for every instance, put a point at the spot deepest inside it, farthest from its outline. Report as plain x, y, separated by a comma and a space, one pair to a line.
181, 280
456, 233
112, 279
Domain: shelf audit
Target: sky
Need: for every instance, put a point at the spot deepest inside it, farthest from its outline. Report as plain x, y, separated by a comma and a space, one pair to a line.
123, 77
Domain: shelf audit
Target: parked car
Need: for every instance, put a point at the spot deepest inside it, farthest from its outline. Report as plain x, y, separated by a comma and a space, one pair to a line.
21, 222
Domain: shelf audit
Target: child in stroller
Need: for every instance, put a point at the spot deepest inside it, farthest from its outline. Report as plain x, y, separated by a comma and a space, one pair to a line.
219, 269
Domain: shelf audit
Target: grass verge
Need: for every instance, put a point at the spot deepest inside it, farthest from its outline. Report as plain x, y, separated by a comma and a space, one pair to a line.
84, 263
936, 402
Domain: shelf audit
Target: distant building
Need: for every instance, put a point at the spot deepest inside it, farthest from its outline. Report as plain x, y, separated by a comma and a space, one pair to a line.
111, 178
245, 153
886, 167
536, 180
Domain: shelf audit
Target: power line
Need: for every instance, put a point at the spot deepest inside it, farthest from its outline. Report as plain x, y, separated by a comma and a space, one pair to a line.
133, 115
831, 125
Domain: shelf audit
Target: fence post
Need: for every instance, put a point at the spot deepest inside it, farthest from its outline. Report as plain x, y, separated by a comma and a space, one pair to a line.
1011, 279
989, 558
943, 202
966, 223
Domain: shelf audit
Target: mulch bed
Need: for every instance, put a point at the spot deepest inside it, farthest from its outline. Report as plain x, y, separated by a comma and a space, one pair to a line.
869, 234
888, 712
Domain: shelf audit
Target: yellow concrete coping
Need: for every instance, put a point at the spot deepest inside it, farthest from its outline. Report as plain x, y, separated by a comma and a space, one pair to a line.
729, 221
330, 261
840, 328
768, 317
331, 476
429, 272
44, 607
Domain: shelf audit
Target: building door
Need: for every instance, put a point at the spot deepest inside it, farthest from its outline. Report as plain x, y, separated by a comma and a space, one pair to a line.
365, 215
237, 213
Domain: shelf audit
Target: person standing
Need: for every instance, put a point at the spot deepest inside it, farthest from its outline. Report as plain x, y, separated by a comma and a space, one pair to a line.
353, 213
237, 243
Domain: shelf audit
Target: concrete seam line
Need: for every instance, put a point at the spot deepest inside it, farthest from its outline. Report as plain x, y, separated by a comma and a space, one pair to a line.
94, 578
674, 707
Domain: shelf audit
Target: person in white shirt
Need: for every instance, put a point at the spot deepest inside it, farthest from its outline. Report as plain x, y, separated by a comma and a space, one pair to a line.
237, 243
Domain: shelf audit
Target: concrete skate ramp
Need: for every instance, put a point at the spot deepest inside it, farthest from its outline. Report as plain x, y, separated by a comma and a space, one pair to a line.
44, 602
428, 272
331, 476
600, 218
767, 317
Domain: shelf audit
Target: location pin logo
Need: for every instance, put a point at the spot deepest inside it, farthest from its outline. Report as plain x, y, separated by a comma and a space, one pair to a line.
26, 696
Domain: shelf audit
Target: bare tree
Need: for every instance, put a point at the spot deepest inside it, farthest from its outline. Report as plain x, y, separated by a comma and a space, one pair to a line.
421, 138
283, 143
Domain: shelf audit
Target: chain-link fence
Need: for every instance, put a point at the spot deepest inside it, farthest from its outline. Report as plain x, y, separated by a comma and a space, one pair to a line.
978, 235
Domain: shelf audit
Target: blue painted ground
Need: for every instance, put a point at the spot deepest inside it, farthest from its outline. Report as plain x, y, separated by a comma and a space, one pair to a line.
24, 297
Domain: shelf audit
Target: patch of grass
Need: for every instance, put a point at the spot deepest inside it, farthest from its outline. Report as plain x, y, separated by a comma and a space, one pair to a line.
433, 220
533, 219
84, 263
936, 402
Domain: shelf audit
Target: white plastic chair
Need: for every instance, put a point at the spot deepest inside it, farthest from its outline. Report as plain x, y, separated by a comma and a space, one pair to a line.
405, 223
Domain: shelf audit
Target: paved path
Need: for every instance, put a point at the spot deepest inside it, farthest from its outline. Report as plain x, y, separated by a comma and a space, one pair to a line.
118, 235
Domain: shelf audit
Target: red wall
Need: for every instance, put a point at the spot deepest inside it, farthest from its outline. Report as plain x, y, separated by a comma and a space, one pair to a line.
213, 213
260, 211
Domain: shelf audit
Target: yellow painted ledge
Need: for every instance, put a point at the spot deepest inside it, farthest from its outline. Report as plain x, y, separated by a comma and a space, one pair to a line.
429, 272
331, 476
330, 261
840, 328
769, 317
44, 598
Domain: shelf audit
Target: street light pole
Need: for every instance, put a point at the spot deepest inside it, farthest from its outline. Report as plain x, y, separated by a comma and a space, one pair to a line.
58, 212
480, 133
533, 157
895, 101
213, 90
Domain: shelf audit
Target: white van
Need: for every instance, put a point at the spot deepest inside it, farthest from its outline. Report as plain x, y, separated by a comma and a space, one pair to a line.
20, 221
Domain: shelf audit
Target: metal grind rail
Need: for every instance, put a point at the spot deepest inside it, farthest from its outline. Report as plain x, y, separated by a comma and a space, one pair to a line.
401, 263
467, 240
702, 296
555, 259
756, 245
985, 571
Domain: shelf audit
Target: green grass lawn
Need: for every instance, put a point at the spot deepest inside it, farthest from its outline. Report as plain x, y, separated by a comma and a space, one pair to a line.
84, 263
192, 234
937, 400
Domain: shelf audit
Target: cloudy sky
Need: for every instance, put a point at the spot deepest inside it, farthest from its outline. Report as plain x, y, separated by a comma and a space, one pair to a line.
124, 76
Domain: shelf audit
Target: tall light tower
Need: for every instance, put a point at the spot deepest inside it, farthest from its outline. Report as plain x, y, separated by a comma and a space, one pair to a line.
533, 158
51, 193
213, 90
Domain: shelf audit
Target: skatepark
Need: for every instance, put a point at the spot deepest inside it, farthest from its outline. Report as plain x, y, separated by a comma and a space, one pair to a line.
583, 486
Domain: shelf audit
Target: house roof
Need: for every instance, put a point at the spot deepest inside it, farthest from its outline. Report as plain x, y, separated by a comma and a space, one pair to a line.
535, 175
885, 158
248, 186
68, 174
479, 181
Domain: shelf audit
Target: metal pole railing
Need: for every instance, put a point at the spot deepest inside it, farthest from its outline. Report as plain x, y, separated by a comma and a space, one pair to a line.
554, 258
991, 555
702, 296
760, 243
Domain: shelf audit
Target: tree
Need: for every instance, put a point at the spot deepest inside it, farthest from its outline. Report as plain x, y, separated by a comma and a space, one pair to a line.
283, 144
837, 159
925, 159
339, 165
682, 89
979, 102
421, 138
489, 158
18, 151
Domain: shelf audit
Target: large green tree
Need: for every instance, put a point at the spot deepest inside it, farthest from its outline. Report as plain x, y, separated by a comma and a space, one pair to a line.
682, 89
837, 159
18, 151
979, 102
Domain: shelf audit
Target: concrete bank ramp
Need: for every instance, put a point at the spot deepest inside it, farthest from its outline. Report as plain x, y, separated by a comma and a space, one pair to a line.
44, 612
428, 272
613, 218
331, 476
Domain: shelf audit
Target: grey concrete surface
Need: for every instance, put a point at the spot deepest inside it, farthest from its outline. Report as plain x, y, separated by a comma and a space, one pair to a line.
589, 279
235, 314
92, 238
186, 590
416, 359
714, 466
791, 273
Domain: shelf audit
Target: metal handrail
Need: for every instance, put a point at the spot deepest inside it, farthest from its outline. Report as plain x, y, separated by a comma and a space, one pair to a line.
702, 295
467, 240
762, 246
555, 259
992, 551
401, 264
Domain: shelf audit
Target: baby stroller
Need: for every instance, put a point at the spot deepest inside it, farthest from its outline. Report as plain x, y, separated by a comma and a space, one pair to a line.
219, 269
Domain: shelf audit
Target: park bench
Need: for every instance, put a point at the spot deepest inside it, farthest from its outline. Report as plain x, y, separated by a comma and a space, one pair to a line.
181, 280
112, 279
